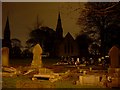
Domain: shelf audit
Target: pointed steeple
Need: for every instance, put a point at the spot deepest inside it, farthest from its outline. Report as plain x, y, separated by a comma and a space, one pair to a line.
59, 21
6, 40
7, 31
59, 30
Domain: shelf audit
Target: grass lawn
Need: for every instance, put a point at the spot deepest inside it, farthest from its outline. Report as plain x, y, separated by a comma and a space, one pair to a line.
13, 83
17, 81
27, 62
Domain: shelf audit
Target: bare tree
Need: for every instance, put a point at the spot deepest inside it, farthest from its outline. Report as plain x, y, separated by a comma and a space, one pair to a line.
96, 17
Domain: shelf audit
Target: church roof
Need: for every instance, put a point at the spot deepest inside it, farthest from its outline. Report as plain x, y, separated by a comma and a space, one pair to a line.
69, 36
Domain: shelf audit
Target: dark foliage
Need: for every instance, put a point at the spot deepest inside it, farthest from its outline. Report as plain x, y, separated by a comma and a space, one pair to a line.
27, 54
98, 16
83, 42
45, 36
16, 52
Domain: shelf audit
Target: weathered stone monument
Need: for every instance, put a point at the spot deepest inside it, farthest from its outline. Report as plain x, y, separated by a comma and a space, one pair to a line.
93, 80
114, 69
37, 57
5, 56
114, 55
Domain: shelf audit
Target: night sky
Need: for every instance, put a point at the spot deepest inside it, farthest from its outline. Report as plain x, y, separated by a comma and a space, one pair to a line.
23, 17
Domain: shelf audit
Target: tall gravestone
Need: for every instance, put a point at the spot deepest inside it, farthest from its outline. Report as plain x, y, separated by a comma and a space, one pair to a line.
114, 69
114, 55
37, 57
5, 56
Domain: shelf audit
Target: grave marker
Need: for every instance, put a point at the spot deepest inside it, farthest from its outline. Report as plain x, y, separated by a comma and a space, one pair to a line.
114, 55
5, 56
37, 57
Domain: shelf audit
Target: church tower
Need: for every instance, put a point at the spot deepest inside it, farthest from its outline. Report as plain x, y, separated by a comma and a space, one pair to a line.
59, 30
7, 31
6, 40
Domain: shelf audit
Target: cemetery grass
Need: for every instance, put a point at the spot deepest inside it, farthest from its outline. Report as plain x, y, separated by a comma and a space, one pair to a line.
28, 61
68, 82
14, 83
10, 82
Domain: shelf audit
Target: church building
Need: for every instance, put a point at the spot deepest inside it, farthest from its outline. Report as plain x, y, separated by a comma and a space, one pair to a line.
66, 46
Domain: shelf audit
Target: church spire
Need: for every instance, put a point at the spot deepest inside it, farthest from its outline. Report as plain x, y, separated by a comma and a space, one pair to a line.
7, 30
6, 40
59, 30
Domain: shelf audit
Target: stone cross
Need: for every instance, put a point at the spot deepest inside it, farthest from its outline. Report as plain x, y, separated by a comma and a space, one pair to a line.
5, 56
114, 54
37, 57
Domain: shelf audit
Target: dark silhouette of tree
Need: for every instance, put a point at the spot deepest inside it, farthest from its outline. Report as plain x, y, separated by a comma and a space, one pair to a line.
16, 45
30, 42
45, 36
16, 52
83, 42
27, 53
97, 16
113, 36
94, 50
16, 42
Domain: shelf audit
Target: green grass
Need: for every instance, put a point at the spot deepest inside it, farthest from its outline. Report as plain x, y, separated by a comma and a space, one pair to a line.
27, 62
68, 84
10, 82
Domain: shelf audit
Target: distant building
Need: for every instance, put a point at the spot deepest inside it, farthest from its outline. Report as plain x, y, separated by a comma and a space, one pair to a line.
68, 47
65, 46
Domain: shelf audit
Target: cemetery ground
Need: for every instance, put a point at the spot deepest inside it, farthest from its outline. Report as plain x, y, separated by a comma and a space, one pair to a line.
25, 81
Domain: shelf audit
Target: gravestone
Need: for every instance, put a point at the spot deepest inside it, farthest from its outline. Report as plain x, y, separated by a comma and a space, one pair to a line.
114, 69
114, 54
89, 80
37, 57
5, 56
